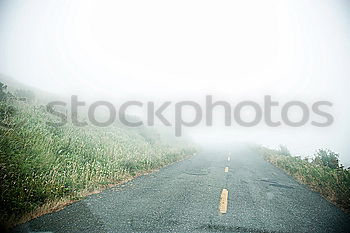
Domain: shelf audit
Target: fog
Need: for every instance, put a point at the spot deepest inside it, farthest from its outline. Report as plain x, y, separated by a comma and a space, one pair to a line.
185, 50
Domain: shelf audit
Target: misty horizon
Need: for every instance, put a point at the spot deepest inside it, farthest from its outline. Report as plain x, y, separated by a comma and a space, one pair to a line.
281, 51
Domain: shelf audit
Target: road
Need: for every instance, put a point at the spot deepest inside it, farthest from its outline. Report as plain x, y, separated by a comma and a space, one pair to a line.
188, 197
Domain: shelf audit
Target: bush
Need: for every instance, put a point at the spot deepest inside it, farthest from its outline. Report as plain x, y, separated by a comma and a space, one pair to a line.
27, 95
283, 150
326, 157
3, 93
322, 174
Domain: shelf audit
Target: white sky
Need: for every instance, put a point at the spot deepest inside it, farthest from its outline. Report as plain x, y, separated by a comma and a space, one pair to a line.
187, 49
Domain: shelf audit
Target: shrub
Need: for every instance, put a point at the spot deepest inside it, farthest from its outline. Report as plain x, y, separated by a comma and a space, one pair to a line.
322, 174
25, 94
3, 93
283, 150
326, 158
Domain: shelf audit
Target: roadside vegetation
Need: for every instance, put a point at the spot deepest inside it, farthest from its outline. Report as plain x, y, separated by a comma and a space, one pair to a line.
42, 167
322, 172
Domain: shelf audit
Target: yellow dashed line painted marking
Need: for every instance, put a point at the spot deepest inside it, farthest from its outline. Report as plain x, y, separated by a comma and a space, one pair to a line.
226, 169
223, 201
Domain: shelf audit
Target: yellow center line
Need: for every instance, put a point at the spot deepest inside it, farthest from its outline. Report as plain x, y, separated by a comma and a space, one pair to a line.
226, 169
223, 201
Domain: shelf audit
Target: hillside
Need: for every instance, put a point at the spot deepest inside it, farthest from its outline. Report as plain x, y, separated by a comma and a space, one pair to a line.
43, 167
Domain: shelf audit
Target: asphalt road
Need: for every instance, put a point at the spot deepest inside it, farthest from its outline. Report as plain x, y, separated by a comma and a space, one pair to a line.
186, 197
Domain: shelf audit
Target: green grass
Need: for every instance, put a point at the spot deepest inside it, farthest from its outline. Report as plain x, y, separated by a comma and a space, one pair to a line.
331, 183
41, 164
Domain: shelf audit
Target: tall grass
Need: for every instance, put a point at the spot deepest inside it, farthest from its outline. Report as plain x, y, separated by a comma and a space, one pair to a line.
332, 183
40, 164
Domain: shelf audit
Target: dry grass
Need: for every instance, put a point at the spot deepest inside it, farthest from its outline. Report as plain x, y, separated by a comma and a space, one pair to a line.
43, 168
